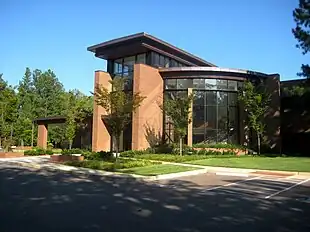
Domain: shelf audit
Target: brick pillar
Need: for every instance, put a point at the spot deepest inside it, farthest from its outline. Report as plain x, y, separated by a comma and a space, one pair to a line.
101, 139
42, 136
190, 125
147, 121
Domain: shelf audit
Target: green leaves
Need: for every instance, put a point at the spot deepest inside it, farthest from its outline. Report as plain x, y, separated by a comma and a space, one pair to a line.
301, 32
256, 102
40, 94
178, 110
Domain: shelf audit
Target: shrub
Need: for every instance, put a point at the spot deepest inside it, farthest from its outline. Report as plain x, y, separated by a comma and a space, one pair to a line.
30, 152
71, 151
109, 166
38, 151
218, 145
104, 155
133, 153
187, 150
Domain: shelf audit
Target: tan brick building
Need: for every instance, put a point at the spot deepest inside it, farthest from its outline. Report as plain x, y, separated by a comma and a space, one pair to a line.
157, 70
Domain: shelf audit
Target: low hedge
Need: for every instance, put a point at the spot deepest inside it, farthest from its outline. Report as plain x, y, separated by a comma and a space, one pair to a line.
111, 166
183, 158
38, 151
218, 145
90, 155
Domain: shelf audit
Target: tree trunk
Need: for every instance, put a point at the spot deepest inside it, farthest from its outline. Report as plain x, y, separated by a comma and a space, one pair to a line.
70, 144
181, 146
258, 143
117, 146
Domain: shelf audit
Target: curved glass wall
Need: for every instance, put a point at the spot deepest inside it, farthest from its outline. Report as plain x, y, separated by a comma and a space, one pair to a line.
215, 108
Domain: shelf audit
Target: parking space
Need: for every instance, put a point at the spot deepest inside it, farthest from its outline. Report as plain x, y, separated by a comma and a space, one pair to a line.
259, 186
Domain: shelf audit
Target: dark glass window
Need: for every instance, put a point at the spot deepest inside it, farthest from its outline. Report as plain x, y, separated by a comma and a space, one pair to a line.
167, 62
211, 98
232, 99
222, 119
118, 66
155, 58
184, 83
232, 85
210, 83
199, 98
221, 84
222, 98
215, 108
198, 116
211, 136
161, 61
198, 137
173, 63
198, 83
210, 117
141, 59
171, 83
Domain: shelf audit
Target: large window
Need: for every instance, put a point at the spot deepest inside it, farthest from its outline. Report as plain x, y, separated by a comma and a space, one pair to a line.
159, 60
214, 117
123, 67
215, 108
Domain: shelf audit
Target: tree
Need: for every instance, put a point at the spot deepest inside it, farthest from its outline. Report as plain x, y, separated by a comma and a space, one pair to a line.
8, 112
25, 96
49, 101
79, 107
301, 32
119, 106
178, 111
255, 102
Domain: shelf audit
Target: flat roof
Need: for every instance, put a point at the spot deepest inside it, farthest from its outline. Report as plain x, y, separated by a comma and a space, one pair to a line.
212, 69
142, 42
50, 120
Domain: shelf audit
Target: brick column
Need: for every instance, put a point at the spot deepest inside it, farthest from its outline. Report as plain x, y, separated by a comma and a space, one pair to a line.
190, 125
101, 139
42, 136
147, 121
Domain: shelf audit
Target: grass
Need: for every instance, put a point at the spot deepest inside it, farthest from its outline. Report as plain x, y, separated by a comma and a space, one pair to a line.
252, 162
158, 169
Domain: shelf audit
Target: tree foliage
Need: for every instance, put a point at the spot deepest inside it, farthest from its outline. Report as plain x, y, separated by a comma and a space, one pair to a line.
39, 94
255, 101
301, 32
178, 111
8, 112
119, 106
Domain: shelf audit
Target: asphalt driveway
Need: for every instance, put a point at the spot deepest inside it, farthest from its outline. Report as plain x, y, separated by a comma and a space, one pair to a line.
42, 200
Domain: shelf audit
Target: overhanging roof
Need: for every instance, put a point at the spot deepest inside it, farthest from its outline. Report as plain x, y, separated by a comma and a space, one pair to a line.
50, 120
142, 42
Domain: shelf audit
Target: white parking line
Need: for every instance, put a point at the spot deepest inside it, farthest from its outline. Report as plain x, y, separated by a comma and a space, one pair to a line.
286, 189
230, 184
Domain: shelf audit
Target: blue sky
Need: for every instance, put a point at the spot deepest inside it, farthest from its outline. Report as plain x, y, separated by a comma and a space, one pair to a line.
254, 35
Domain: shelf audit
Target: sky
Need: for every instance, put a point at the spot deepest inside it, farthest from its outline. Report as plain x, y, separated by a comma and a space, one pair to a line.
55, 34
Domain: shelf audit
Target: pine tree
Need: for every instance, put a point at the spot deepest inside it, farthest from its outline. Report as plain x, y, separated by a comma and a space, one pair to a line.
301, 32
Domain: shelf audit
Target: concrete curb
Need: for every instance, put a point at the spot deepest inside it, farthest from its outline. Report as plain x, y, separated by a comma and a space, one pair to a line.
200, 170
89, 172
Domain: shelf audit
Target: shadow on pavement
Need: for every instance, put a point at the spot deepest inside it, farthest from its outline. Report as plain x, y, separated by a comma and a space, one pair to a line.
47, 201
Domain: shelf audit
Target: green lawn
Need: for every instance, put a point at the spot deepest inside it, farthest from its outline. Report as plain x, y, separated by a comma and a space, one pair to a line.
177, 158
157, 169
267, 163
